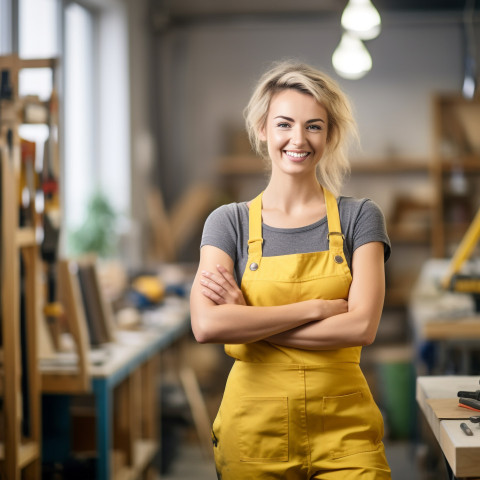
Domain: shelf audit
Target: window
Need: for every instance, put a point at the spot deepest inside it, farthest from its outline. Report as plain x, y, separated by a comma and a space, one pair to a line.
38, 28
79, 163
5, 27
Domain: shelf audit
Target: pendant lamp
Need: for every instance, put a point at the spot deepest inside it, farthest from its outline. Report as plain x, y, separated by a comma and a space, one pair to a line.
351, 58
361, 19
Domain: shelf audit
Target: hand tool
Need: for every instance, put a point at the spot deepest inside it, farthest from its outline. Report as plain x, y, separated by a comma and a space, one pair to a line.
475, 395
469, 403
466, 429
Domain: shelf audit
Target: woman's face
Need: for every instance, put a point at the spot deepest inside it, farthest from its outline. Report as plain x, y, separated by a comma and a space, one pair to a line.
295, 132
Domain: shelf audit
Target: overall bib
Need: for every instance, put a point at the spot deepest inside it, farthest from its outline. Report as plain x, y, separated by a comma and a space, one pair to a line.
287, 413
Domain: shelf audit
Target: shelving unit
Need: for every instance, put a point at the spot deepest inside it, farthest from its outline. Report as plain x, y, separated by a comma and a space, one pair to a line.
21, 292
455, 170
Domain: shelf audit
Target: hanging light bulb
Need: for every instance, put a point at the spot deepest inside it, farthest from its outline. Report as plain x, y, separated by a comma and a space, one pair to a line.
361, 19
351, 58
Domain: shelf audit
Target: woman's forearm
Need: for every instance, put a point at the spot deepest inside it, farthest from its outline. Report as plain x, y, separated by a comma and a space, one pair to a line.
246, 324
344, 330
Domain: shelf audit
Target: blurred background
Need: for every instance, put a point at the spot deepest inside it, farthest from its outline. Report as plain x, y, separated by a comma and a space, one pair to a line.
122, 129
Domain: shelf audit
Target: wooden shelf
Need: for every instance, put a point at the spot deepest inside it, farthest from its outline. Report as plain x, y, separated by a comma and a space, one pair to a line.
26, 237
389, 166
21, 274
467, 163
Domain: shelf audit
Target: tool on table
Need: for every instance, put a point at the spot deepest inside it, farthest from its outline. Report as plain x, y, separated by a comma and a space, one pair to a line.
469, 403
475, 419
475, 395
466, 429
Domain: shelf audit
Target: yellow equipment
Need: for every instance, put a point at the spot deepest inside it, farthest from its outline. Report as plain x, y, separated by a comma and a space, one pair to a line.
465, 283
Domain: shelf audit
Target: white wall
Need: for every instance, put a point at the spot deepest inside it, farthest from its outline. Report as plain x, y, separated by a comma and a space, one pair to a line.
206, 74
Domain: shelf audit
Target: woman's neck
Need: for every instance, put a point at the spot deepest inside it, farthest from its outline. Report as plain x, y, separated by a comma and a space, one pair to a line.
289, 194
291, 204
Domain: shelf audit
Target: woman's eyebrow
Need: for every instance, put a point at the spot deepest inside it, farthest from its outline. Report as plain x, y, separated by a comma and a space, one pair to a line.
313, 120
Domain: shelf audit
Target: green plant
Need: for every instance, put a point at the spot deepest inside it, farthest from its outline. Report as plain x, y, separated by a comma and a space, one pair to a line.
97, 234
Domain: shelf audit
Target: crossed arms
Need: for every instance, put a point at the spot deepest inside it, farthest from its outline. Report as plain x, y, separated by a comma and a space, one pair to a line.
219, 313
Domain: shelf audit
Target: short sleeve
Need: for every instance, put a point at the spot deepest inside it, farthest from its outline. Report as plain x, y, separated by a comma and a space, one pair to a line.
370, 226
220, 230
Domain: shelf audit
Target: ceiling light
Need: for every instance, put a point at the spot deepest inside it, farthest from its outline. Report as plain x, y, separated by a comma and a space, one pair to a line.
351, 58
361, 19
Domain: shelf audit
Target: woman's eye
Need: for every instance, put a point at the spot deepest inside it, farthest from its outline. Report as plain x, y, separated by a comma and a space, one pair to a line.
283, 125
314, 127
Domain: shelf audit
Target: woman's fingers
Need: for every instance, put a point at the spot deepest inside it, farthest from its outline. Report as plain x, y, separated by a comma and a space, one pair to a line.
213, 296
223, 285
227, 276
218, 279
214, 286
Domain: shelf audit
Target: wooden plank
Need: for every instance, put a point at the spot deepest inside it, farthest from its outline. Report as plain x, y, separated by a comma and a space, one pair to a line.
29, 453
37, 62
70, 297
163, 247
198, 409
68, 383
447, 408
33, 311
26, 237
123, 428
11, 323
462, 451
136, 411
150, 398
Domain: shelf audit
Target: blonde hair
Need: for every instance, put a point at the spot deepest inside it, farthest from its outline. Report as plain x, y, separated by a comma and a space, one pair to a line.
342, 127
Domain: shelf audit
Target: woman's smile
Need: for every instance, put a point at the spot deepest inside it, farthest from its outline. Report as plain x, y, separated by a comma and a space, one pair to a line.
296, 156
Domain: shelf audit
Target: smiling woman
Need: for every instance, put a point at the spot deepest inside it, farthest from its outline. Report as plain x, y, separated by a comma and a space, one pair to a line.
293, 284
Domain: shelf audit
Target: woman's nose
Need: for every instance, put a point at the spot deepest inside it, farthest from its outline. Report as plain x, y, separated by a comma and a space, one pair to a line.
298, 136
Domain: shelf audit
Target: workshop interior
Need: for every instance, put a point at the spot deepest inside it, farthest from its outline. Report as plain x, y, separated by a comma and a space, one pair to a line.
121, 129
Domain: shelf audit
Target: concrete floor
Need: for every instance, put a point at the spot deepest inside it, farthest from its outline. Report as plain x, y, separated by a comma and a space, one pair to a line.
190, 464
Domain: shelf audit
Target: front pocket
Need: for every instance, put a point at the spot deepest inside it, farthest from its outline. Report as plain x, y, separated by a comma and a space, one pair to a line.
352, 424
263, 429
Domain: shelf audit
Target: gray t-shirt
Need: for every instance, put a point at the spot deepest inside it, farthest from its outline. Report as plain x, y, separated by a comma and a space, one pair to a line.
361, 219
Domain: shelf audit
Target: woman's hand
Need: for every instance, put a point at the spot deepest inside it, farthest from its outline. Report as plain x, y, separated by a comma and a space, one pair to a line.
221, 288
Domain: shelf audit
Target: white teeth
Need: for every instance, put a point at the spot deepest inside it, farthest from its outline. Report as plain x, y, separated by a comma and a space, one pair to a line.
297, 155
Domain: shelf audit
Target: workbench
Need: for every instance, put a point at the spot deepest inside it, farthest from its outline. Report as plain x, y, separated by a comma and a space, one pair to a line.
123, 385
445, 321
437, 399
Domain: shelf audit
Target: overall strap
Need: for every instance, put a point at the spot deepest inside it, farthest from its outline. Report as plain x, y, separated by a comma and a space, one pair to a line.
255, 239
335, 235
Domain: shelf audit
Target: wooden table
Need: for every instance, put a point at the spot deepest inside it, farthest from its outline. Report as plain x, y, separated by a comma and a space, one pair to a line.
437, 398
127, 365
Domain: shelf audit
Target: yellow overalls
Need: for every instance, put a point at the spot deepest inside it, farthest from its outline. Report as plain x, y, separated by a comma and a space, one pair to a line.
294, 414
